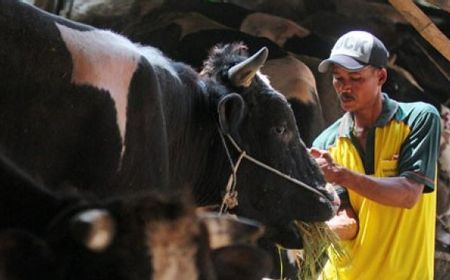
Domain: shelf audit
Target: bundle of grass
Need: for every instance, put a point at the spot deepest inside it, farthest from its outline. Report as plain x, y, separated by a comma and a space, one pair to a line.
317, 239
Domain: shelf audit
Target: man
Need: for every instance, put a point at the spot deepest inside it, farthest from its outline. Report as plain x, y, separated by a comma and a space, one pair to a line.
384, 154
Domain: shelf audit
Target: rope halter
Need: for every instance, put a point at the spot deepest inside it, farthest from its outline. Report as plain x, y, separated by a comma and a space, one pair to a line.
230, 199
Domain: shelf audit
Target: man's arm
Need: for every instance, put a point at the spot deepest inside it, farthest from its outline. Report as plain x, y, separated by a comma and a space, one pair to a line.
391, 191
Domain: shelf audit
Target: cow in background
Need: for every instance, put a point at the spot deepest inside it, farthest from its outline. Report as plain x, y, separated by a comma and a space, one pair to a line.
49, 236
165, 29
110, 14
103, 116
282, 31
118, 14
189, 36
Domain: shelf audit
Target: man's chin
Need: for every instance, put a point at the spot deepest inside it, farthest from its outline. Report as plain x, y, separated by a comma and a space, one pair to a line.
348, 108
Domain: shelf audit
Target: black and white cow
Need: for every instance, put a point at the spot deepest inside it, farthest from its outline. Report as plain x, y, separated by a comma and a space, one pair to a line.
86, 109
49, 236
182, 31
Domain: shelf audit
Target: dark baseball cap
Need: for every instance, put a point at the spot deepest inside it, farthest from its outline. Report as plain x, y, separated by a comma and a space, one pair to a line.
355, 50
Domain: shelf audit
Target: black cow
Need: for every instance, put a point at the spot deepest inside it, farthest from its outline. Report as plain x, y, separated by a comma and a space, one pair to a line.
86, 109
49, 236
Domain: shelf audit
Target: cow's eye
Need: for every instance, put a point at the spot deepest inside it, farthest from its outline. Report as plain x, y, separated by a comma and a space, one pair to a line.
280, 130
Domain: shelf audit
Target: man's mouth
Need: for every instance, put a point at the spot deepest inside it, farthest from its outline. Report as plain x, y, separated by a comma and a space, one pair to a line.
346, 97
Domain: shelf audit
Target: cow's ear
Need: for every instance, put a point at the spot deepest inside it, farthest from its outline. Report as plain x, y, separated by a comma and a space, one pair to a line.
231, 109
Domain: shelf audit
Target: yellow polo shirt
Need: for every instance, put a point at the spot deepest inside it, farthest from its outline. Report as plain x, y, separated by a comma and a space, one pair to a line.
392, 243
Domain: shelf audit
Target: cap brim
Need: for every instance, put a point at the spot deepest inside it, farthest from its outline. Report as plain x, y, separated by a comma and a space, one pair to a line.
347, 62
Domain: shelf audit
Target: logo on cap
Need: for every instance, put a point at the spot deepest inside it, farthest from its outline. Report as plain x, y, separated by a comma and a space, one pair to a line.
357, 44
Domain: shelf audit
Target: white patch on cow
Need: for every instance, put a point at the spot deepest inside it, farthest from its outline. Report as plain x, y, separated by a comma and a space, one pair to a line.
104, 60
173, 248
108, 61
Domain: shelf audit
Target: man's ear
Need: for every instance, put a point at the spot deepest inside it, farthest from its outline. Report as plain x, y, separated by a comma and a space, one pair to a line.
230, 109
382, 76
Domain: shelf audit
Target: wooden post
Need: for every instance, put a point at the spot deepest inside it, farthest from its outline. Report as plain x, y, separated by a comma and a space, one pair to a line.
423, 25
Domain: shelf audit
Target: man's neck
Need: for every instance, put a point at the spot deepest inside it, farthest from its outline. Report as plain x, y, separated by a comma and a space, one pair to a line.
368, 116
365, 119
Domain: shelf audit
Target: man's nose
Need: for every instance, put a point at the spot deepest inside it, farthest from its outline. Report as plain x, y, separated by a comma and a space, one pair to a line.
345, 87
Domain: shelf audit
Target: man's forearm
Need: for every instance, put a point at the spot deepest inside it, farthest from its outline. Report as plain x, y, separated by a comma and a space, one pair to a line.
391, 191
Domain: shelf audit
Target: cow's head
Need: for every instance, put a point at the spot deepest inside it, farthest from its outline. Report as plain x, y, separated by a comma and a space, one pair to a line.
262, 124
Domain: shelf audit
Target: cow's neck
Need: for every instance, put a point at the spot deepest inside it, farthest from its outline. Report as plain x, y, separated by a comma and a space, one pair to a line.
195, 147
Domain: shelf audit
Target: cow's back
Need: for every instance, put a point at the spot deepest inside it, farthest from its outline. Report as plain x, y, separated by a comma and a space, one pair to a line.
64, 102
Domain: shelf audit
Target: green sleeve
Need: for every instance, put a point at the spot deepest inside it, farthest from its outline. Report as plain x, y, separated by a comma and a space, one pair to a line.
420, 151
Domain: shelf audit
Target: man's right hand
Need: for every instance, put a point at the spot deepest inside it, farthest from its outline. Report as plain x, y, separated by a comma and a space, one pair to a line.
344, 224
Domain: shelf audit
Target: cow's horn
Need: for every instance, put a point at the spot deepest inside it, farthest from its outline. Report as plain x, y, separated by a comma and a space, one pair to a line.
241, 75
93, 228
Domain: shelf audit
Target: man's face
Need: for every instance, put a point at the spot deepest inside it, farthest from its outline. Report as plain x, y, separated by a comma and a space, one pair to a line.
358, 90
